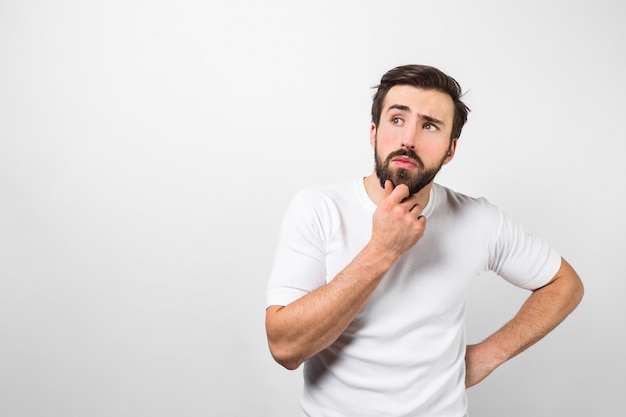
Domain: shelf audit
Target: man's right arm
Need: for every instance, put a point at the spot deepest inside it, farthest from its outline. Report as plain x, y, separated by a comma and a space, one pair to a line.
312, 323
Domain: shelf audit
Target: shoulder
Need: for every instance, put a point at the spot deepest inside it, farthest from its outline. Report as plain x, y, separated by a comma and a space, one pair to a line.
448, 199
328, 195
324, 203
459, 211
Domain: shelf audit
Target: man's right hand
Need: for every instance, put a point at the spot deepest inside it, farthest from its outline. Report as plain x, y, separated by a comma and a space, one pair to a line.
316, 320
398, 223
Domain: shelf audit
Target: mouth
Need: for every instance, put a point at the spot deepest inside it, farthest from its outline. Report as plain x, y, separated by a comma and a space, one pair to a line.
404, 162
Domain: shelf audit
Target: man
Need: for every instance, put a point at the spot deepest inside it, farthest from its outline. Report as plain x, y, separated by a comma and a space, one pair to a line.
371, 277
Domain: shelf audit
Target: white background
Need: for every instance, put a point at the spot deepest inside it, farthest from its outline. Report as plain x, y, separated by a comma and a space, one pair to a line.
149, 148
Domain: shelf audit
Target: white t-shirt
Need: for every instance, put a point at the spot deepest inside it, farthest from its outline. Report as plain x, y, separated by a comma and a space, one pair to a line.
403, 355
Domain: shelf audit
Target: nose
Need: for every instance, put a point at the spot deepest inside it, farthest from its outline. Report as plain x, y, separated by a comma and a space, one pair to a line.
409, 138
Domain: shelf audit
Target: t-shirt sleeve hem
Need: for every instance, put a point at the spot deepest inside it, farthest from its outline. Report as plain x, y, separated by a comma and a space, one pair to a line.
282, 296
552, 265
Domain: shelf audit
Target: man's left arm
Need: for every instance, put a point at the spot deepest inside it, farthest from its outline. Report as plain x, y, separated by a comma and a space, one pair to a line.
543, 311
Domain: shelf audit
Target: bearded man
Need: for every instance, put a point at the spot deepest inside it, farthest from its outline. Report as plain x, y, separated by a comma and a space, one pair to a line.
371, 277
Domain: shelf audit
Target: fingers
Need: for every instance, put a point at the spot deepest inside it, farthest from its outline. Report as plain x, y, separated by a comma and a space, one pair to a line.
398, 194
398, 220
388, 188
416, 210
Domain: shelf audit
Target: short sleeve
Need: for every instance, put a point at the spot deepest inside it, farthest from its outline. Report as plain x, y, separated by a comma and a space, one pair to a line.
521, 258
299, 264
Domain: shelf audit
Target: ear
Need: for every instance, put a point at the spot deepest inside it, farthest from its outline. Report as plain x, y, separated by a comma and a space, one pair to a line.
373, 135
451, 151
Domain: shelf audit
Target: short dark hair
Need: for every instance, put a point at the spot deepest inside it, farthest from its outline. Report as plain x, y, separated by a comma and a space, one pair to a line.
426, 77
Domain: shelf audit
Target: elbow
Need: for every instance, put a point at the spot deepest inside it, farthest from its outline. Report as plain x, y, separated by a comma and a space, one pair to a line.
283, 348
572, 285
577, 289
290, 365
285, 356
579, 292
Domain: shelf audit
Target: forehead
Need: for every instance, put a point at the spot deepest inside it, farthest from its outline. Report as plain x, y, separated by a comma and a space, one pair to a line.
429, 102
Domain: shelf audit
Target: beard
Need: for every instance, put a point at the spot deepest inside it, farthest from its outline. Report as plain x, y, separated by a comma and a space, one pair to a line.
415, 180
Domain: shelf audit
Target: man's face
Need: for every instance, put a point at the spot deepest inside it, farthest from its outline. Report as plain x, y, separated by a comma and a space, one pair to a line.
412, 140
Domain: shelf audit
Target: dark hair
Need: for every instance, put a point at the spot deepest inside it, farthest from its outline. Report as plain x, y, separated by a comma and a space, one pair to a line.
422, 76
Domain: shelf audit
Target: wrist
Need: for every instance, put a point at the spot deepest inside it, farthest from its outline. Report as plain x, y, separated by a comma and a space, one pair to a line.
487, 354
378, 258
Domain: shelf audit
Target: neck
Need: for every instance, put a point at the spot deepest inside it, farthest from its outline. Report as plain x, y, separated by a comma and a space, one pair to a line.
376, 193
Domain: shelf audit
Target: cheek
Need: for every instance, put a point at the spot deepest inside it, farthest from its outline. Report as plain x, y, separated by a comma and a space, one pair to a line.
435, 144
386, 137
434, 152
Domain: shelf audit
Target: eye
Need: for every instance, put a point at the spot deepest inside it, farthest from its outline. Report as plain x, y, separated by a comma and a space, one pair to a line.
396, 121
430, 127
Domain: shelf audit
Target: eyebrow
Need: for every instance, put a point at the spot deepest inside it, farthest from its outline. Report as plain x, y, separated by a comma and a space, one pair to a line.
400, 107
425, 117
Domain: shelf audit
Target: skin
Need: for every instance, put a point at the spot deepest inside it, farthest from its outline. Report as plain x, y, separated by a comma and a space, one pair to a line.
421, 120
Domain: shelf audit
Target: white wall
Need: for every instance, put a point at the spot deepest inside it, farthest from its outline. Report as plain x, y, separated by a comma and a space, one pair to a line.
149, 148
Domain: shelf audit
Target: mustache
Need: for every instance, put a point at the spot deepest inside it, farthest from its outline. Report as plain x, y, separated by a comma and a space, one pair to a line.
405, 152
